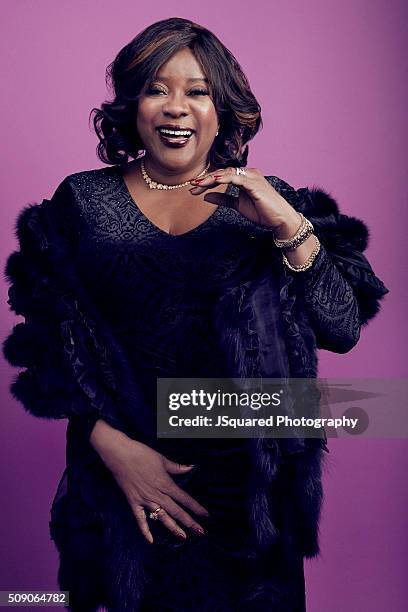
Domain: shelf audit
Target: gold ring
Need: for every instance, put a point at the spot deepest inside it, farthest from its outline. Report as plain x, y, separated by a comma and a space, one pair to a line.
154, 515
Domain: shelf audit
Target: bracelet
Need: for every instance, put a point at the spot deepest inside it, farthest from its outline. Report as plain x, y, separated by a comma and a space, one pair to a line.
308, 262
306, 228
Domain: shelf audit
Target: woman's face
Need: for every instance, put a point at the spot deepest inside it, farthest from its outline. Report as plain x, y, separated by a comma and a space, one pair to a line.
179, 96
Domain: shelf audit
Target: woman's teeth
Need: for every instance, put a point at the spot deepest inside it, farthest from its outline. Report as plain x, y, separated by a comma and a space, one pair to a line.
175, 133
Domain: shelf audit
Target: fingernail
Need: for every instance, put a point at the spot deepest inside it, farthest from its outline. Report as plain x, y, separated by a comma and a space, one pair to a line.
217, 177
199, 530
181, 534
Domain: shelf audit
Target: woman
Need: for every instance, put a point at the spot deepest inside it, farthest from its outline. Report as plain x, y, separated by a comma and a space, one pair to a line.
180, 263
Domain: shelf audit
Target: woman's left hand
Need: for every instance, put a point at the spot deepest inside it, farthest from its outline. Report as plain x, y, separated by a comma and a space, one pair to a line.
258, 200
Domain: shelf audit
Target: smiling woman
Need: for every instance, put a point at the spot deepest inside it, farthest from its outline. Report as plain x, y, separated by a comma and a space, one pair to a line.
174, 101
180, 262
192, 69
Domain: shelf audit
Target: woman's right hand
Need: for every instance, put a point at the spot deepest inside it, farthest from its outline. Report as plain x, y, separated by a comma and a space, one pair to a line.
143, 475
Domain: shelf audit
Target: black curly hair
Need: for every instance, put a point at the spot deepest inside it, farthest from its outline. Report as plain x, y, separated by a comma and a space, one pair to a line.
239, 113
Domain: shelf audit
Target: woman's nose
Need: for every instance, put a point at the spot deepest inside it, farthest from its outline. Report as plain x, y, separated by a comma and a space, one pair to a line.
175, 105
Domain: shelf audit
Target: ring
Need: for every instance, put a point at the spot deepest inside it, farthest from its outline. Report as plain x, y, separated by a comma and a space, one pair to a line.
155, 514
240, 171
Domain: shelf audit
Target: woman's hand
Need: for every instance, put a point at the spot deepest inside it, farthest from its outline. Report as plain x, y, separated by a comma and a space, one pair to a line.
258, 200
143, 475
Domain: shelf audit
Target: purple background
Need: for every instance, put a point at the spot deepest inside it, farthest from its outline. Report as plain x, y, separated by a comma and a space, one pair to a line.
331, 80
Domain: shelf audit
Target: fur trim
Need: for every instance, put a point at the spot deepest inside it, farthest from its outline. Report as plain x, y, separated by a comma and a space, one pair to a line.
320, 203
344, 237
82, 375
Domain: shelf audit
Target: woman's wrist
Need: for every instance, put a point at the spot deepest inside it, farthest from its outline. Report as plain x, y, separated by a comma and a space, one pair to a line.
301, 254
287, 230
289, 226
109, 442
103, 435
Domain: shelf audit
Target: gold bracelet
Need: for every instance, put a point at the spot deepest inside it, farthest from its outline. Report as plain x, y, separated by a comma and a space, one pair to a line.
306, 228
308, 262
281, 244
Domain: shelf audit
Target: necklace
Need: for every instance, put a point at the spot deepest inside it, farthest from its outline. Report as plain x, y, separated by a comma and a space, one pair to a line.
154, 185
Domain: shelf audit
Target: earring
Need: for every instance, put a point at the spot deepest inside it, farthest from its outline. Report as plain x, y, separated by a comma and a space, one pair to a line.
217, 132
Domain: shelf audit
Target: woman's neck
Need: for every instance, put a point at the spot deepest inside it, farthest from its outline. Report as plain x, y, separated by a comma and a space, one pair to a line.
172, 176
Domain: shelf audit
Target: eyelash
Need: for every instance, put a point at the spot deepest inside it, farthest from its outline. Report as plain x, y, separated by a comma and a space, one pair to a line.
201, 92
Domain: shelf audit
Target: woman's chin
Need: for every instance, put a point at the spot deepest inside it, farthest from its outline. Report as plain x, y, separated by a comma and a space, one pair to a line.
174, 159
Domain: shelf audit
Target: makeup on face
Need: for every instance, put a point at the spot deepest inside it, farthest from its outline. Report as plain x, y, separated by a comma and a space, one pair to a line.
176, 111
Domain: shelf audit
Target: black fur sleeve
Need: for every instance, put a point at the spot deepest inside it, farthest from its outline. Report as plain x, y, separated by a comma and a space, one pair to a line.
66, 371
340, 291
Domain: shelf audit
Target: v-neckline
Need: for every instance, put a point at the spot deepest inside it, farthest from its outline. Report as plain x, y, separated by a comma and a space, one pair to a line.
132, 201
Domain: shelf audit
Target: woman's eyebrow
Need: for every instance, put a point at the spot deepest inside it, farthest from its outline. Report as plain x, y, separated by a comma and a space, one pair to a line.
159, 78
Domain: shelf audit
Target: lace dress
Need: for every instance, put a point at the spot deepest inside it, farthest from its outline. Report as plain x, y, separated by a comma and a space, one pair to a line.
157, 292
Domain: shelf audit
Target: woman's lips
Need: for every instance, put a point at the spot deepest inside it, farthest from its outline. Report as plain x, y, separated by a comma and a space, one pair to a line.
178, 141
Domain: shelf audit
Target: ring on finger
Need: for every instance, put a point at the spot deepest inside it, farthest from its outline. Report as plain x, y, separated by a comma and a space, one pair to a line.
240, 171
154, 515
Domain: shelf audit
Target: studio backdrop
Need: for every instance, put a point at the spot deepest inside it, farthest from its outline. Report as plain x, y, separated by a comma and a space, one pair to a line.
331, 80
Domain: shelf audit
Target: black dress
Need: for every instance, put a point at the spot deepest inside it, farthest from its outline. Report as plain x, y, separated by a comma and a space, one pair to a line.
156, 291
153, 299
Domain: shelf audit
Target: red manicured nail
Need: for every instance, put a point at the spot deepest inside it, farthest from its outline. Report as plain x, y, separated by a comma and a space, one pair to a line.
199, 530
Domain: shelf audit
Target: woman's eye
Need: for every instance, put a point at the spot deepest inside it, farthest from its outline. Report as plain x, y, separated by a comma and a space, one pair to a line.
154, 90
195, 92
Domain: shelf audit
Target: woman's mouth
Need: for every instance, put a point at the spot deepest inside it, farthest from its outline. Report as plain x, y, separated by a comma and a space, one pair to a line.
174, 138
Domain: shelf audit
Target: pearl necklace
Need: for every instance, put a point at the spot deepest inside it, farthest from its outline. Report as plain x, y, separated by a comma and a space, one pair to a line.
154, 185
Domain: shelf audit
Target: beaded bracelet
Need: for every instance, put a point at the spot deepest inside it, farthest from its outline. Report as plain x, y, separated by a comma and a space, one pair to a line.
306, 228
307, 263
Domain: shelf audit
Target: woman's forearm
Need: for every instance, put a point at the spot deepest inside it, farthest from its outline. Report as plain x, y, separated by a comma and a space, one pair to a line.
328, 297
331, 304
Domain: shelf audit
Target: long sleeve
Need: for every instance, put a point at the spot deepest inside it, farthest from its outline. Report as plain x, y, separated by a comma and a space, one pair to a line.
331, 304
340, 291
67, 373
